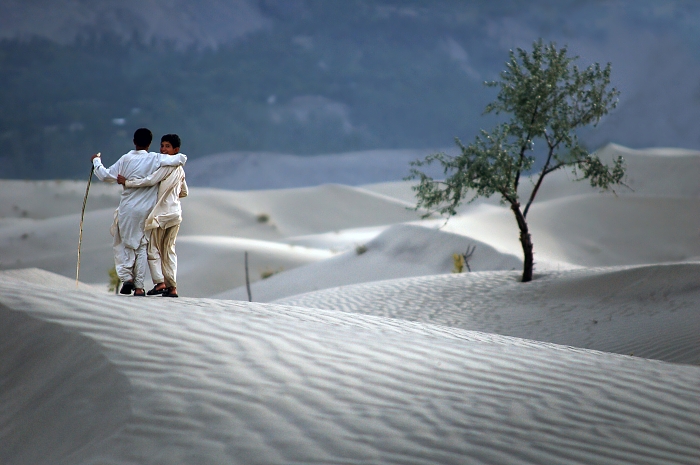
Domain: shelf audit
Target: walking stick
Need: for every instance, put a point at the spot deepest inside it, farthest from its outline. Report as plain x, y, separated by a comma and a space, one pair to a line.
82, 218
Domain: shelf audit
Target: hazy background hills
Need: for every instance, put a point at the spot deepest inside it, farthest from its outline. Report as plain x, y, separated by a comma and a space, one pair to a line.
311, 77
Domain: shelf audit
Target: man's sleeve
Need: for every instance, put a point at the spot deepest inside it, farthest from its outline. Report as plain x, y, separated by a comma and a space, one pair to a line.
152, 179
106, 174
172, 160
183, 189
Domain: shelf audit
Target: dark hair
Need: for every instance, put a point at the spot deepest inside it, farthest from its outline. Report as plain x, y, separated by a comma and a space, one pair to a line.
174, 140
143, 137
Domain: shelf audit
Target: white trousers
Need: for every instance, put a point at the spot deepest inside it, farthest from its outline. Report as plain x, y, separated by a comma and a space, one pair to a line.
130, 263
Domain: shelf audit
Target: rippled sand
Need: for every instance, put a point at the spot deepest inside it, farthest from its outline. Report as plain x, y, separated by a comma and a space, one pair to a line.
89, 378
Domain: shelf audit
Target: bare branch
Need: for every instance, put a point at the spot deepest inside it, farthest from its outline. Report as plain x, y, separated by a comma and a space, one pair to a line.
543, 173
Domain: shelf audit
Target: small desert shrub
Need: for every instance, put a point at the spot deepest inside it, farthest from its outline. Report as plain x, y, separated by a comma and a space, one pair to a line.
263, 218
267, 273
360, 249
458, 260
113, 280
461, 260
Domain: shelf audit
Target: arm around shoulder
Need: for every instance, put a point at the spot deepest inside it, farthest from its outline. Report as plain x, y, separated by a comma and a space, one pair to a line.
173, 160
150, 180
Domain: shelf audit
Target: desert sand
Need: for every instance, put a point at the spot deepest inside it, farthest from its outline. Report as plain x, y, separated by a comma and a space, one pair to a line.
362, 346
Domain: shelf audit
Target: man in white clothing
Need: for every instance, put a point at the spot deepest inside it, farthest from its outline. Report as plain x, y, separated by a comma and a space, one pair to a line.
163, 223
134, 206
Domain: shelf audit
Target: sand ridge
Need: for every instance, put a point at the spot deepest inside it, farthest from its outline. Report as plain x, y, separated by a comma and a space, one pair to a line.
60, 396
650, 311
231, 382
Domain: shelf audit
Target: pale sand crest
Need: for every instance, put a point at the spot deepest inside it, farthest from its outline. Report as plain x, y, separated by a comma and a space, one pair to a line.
216, 382
399, 251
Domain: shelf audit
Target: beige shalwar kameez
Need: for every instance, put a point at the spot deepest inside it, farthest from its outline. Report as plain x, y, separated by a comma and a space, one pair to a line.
163, 223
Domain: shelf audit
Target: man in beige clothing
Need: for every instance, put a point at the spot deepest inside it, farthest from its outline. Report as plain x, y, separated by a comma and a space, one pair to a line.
163, 223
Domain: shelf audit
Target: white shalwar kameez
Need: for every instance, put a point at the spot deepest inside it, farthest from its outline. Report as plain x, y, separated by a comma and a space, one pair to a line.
134, 206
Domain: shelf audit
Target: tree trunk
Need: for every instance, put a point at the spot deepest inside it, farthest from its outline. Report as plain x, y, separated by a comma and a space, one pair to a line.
525, 241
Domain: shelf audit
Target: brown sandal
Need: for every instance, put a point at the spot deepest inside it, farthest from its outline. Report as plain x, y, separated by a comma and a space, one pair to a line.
167, 292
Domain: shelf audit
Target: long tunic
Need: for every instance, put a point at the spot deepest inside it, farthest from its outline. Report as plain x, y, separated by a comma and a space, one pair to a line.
171, 188
135, 203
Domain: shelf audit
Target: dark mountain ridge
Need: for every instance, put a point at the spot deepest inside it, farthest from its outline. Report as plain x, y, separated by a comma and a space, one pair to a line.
310, 76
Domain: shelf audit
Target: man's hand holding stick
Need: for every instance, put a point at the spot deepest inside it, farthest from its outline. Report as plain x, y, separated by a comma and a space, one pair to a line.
82, 218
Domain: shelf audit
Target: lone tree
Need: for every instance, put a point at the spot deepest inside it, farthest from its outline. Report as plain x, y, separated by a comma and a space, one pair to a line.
547, 98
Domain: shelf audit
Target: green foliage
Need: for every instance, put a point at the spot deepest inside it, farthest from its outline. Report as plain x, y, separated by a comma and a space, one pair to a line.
268, 273
461, 260
113, 280
458, 261
545, 98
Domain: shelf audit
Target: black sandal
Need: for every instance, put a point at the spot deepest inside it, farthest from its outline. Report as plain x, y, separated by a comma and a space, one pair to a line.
127, 287
155, 291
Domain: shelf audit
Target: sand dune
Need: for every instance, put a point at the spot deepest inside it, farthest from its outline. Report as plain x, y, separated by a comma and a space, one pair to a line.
594, 229
48, 199
52, 244
214, 382
200, 255
226, 217
290, 212
650, 311
655, 172
399, 251
339, 241
46, 278
572, 225
654, 220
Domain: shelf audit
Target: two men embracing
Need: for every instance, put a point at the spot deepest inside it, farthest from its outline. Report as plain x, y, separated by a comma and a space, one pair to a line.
149, 215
